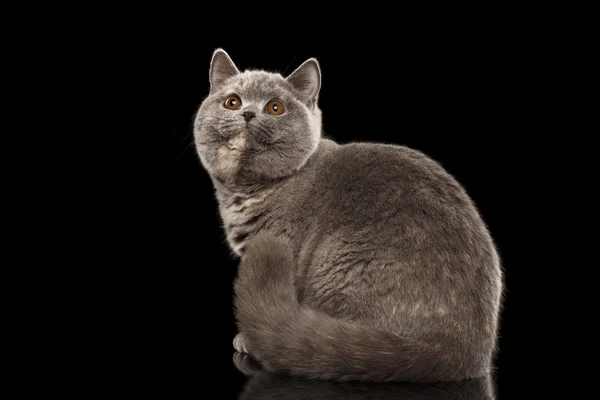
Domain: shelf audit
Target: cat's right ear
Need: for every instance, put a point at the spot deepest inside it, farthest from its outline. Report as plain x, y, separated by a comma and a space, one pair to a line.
221, 68
306, 79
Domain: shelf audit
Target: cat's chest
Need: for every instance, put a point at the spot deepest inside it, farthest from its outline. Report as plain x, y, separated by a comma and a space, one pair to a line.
243, 217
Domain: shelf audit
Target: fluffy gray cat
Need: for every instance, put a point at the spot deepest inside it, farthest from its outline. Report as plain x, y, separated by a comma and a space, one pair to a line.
359, 261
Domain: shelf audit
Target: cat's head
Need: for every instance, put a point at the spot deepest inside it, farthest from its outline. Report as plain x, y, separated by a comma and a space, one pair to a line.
257, 125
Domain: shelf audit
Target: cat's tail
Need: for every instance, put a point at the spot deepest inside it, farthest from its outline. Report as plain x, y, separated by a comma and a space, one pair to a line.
287, 337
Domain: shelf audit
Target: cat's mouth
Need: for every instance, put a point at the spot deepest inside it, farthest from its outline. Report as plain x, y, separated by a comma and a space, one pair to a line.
233, 131
249, 128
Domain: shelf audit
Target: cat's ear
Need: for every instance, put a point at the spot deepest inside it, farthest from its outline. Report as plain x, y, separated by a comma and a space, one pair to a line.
221, 68
306, 79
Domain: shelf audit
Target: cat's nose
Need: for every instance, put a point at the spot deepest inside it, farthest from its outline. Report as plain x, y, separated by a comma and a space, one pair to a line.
249, 114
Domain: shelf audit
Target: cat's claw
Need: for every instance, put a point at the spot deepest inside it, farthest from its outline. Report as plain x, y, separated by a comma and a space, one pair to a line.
245, 363
239, 343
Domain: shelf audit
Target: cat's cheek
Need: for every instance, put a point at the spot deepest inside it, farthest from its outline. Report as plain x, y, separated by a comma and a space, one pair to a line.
204, 152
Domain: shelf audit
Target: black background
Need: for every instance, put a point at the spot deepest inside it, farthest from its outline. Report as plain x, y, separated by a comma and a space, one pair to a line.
110, 93
453, 93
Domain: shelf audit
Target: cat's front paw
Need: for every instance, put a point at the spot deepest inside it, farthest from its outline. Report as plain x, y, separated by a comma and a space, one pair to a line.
240, 343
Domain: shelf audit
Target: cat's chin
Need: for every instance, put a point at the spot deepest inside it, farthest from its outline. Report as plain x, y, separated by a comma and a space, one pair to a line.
237, 141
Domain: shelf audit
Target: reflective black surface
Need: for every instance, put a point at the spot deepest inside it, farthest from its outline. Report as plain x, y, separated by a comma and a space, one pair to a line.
264, 385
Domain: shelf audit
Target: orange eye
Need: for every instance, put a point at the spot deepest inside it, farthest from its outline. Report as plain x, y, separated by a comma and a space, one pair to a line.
233, 103
275, 108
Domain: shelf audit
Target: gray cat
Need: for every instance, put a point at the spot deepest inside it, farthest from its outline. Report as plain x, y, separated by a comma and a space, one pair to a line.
359, 261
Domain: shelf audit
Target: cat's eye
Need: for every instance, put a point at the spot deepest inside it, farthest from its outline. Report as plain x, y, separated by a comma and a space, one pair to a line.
233, 103
275, 108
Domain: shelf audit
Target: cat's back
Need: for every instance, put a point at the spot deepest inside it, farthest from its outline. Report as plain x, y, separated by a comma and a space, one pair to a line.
377, 176
395, 198
399, 201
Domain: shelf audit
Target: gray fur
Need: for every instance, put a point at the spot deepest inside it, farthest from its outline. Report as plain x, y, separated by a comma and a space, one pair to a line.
360, 261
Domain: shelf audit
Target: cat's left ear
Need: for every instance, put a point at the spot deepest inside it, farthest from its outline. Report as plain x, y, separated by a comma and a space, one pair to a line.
221, 68
306, 79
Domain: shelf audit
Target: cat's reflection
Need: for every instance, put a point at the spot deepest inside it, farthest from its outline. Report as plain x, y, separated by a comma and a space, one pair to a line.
264, 385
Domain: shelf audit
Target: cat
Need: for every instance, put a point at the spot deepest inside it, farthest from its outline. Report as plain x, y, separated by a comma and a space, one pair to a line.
358, 261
